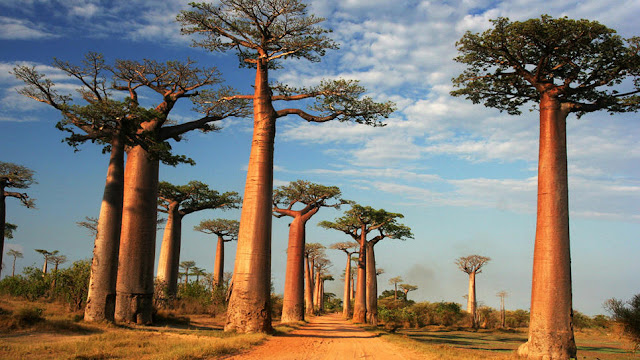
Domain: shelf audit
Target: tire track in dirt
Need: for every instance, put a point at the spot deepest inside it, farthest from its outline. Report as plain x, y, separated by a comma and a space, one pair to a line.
326, 338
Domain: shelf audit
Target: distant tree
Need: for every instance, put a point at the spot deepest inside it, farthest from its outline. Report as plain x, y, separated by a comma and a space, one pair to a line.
198, 272
503, 318
179, 201
321, 265
56, 260
300, 200
9, 228
187, 265
16, 254
312, 251
472, 265
47, 256
358, 222
627, 314
91, 224
348, 248
225, 230
395, 281
406, 288
13, 176
264, 33
562, 66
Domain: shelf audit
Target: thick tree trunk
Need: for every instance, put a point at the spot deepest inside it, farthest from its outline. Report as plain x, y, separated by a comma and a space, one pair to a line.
372, 286
321, 297
308, 290
45, 265
249, 307
3, 220
134, 289
551, 326
353, 288
218, 265
316, 294
346, 302
13, 268
101, 298
293, 300
169, 261
360, 301
471, 298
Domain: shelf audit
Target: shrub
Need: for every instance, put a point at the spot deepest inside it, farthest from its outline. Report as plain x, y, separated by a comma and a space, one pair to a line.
447, 313
627, 315
72, 284
517, 318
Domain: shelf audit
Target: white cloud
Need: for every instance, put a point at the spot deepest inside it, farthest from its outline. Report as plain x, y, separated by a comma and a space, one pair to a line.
19, 29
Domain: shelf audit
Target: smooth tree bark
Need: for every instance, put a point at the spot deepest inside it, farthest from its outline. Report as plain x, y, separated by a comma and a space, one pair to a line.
172, 81
16, 177
472, 265
349, 248
225, 231
312, 252
178, 201
564, 66
321, 264
358, 222
264, 33
300, 200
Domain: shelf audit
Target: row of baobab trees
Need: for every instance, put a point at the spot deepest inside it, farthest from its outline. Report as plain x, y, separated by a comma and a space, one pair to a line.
563, 66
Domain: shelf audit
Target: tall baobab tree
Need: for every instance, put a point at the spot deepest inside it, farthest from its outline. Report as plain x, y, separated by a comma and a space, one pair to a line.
13, 176
16, 254
358, 222
56, 260
348, 248
312, 251
187, 265
395, 281
264, 33
503, 319
225, 230
406, 288
300, 200
472, 265
178, 201
562, 66
47, 256
321, 264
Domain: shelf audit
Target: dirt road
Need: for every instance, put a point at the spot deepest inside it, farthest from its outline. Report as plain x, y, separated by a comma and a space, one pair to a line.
328, 337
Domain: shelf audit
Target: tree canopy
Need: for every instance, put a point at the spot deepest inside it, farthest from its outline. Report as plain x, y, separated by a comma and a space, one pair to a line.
582, 63
307, 194
472, 263
227, 229
194, 196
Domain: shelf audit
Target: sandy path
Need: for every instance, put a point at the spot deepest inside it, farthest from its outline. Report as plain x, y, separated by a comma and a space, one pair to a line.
328, 337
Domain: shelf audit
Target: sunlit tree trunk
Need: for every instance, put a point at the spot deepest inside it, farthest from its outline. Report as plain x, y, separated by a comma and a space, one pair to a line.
249, 306
308, 290
321, 296
353, 288
346, 302
169, 261
101, 298
3, 220
551, 325
293, 299
218, 265
316, 294
372, 286
471, 298
134, 290
360, 305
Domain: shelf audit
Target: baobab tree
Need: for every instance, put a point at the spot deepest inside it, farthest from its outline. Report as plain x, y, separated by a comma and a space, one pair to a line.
395, 281
348, 248
300, 200
187, 265
312, 251
178, 201
472, 265
9, 228
562, 66
264, 33
112, 124
16, 254
321, 264
225, 230
13, 176
406, 288
47, 256
502, 294
358, 222
56, 260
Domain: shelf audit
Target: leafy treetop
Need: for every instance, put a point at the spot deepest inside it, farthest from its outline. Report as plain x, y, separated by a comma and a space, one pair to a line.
16, 177
194, 196
472, 264
310, 195
576, 61
227, 229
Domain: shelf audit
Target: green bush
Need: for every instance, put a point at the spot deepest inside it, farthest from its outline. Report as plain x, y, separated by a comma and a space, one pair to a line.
627, 315
447, 313
72, 284
517, 318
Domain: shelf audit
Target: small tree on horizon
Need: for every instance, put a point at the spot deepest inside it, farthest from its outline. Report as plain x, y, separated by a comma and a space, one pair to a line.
406, 288
16, 254
472, 265
226, 231
395, 281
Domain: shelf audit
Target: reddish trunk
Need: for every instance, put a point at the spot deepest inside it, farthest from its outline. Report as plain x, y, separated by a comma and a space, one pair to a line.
316, 294
218, 266
372, 286
134, 290
101, 298
551, 327
249, 306
308, 290
359, 305
353, 288
169, 261
346, 302
471, 298
293, 300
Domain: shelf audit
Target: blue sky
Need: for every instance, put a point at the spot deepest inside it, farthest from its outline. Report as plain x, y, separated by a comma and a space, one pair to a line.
463, 175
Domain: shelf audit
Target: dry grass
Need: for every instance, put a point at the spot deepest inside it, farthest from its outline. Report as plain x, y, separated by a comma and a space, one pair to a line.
450, 344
